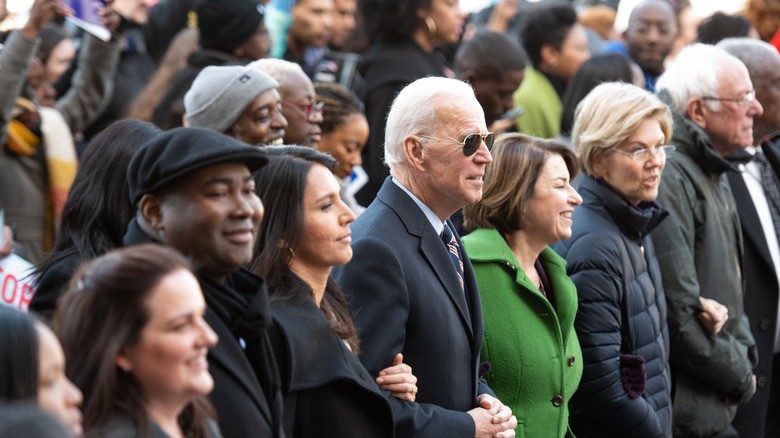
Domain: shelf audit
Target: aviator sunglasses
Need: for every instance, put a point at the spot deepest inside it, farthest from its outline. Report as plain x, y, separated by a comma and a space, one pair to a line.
471, 143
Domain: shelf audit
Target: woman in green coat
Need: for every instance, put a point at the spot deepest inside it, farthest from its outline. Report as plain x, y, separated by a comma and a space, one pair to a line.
528, 301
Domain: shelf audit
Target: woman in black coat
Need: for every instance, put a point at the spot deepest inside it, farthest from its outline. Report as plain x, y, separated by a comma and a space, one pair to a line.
326, 390
620, 133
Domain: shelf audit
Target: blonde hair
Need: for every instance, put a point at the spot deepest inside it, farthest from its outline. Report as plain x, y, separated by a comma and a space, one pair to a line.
518, 159
609, 114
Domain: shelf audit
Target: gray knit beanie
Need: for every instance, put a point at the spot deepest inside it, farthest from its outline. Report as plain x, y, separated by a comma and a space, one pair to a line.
219, 95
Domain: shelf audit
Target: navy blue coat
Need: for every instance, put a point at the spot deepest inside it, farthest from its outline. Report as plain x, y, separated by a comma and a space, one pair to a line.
611, 260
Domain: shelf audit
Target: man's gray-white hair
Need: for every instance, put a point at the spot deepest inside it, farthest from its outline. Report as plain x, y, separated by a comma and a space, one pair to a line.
755, 54
696, 72
276, 68
414, 111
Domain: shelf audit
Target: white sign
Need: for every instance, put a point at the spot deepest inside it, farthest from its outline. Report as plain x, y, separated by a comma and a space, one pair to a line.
16, 284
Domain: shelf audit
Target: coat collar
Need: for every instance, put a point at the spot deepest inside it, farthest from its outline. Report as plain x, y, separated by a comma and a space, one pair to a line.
487, 245
633, 222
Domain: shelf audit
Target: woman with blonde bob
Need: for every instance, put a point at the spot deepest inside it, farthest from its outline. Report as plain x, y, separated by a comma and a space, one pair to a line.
620, 134
528, 301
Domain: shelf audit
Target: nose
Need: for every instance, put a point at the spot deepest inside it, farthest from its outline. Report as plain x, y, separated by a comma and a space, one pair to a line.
348, 216
73, 394
574, 197
657, 157
755, 109
278, 121
315, 116
210, 337
356, 158
653, 34
483, 154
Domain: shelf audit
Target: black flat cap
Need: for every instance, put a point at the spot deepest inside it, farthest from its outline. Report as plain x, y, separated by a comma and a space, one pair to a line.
178, 152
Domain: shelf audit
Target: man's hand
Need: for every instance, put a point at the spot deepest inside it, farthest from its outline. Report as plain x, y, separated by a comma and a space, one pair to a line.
42, 12
493, 419
714, 316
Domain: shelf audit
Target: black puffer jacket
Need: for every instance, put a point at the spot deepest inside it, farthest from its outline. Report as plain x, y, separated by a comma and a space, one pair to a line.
611, 259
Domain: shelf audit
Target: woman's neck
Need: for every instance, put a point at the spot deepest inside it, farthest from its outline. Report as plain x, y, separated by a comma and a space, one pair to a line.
166, 415
423, 38
526, 252
316, 278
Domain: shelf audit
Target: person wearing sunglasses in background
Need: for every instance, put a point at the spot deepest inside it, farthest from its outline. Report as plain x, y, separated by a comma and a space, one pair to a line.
409, 283
299, 103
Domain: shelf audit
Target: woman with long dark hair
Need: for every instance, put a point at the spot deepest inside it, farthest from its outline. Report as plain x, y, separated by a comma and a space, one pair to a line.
327, 390
132, 322
97, 211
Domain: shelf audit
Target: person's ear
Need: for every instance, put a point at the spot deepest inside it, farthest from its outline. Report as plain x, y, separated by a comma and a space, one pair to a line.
696, 110
123, 362
470, 76
550, 55
150, 208
413, 148
598, 165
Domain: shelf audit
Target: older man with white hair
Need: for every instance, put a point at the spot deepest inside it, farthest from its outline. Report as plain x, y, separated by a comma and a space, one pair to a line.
699, 247
410, 284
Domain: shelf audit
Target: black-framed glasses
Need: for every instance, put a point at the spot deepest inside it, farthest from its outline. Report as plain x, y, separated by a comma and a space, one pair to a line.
471, 142
646, 154
311, 108
746, 101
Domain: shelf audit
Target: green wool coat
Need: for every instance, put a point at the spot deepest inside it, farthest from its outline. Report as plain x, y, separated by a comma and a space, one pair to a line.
532, 347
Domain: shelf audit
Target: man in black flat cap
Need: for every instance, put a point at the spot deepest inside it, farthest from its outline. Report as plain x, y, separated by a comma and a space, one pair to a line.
194, 191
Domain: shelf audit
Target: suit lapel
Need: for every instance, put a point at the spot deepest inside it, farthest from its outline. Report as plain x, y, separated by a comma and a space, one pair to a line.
751, 224
228, 354
432, 248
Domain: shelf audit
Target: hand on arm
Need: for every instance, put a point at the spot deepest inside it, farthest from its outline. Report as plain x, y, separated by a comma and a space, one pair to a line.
714, 316
399, 380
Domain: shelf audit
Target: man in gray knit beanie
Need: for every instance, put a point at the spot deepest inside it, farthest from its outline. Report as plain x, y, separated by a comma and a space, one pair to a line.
240, 102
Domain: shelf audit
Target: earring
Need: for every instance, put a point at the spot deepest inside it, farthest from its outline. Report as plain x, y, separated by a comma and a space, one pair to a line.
431, 25
292, 253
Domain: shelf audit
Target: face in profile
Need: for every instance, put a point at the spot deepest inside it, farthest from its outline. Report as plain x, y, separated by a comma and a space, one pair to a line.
549, 209
60, 59
212, 216
495, 95
300, 110
345, 143
56, 394
454, 179
449, 20
257, 46
262, 122
326, 236
312, 22
635, 180
169, 359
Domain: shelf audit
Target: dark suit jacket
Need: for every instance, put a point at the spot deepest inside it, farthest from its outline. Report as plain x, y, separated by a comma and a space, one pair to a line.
761, 294
406, 297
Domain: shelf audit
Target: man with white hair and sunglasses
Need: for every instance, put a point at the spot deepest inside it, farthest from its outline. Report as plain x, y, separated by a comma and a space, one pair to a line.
410, 285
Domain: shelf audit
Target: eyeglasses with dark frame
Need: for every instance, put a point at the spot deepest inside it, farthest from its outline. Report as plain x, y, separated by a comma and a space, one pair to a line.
311, 107
471, 143
645, 154
746, 101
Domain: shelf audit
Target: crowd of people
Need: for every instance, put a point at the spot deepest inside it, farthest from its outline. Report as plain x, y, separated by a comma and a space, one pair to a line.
375, 218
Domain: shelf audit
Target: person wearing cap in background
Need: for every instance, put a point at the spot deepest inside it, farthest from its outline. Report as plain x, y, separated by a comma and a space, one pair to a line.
232, 32
194, 192
241, 102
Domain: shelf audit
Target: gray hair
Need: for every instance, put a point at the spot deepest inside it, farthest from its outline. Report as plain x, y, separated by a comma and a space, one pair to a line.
755, 54
414, 111
696, 72
276, 68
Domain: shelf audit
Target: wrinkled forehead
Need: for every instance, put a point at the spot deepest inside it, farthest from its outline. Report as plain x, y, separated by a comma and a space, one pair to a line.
459, 114
734, 78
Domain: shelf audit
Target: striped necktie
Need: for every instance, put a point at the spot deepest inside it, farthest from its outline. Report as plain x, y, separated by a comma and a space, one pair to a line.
453, 249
